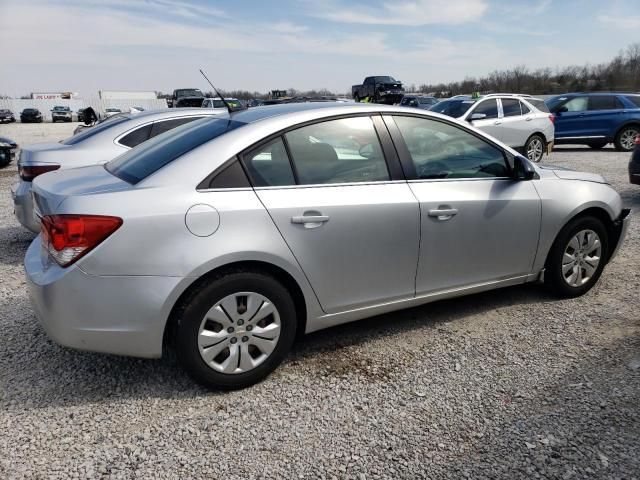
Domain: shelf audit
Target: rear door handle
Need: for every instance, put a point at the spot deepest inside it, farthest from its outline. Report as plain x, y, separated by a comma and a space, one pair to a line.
528, 119
443, 213
310, 221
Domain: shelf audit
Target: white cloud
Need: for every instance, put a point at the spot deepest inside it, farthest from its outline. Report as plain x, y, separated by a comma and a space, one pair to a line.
620, 21
288, 27
408, 13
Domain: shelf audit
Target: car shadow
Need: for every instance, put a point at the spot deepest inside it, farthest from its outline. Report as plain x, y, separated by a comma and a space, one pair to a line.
567, 149
14, 240
37, 373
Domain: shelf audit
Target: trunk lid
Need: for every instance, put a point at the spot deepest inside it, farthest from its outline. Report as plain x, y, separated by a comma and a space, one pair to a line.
51, 189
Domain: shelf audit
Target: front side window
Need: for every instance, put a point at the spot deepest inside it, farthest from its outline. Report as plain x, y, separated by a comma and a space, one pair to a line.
442, 151
338, 151
488, 107
511, 107
268, 165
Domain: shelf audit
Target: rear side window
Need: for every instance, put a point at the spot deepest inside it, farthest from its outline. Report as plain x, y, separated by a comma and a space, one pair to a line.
603, 102
166, 125
268, 165
511, 107
539, 104
635, 99
90, 132
337, 151
525, 109
488, 107
136, 137
231, 176
138, 163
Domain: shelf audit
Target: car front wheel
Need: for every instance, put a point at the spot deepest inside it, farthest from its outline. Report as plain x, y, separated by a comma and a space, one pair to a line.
577, 257
534, 148
235, 330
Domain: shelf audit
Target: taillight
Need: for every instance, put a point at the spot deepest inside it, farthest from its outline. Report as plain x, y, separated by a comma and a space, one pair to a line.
29, 172
68, 238
552, 117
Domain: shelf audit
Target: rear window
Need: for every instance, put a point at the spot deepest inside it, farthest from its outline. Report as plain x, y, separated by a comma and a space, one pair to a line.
453, 108
90, 132
635, 99
539, 104
149, 157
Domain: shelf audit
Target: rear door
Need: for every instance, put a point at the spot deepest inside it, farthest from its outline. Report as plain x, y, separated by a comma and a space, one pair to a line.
604, 115
337, 195
516, 127
492, 122
478, 225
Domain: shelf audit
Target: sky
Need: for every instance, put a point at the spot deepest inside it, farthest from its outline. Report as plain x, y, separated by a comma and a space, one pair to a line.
89, 45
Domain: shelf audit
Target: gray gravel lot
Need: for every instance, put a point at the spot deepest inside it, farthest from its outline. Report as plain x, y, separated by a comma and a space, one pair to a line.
505, 384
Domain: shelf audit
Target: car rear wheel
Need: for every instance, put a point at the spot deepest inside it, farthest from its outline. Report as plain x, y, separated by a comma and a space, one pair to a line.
625, 138
235, 330
534, 148
597, 145
577, 257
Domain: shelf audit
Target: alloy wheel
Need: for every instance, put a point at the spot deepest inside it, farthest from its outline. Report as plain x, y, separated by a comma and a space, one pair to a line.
535, 149
581, 258
239, 332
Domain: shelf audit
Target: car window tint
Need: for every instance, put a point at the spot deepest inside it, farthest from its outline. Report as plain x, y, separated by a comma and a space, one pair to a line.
602, 102
577, 104
525, 109
268, 165
231, 176
511, 107
166, 125
635, 99
442, 151
150, 156
137, 136
488, 107
338, 151
539, 104
90, 132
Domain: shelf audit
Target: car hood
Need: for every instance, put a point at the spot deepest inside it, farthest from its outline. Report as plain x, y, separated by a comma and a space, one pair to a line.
567, 174
8, 141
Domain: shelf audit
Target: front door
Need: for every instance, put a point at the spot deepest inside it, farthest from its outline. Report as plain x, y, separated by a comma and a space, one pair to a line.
353, 229
491, 123
478, 224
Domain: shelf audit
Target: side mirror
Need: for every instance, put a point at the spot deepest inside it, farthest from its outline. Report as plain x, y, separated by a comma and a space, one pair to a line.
522, 169
477, 116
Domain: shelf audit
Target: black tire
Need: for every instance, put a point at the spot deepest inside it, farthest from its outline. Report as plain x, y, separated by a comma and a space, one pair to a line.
597, 145
356, 98
553, 278
535, 138
191, 314
621, 138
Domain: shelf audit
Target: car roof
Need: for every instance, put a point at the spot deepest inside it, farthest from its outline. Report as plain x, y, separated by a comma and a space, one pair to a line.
597, 94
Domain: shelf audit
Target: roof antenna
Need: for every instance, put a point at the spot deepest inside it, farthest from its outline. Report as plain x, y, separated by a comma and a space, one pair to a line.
226, 104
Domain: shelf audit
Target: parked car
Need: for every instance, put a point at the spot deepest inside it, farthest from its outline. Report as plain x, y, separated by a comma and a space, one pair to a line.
31, 115
95, 145
218, 104
229, 236
424, 102
60, 113
110, 112
7, 116
380, 89
634, 163
520, 121
81, 114
597, 119
7, 151
186, 97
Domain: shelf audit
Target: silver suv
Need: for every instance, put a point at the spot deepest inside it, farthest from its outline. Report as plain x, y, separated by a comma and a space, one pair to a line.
520, 121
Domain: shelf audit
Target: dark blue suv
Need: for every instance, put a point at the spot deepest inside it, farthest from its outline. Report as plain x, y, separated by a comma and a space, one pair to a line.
596, 119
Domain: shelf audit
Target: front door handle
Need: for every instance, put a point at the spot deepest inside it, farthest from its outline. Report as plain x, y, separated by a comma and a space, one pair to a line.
310, 219
443, 213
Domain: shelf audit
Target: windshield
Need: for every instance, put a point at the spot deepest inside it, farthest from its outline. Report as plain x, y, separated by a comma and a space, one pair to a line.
90, 132
385, 80
192, 92
453, 108
150, 156
61, 109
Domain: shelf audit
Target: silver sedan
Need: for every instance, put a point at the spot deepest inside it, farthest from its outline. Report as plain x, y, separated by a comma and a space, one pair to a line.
91, 146
227, 237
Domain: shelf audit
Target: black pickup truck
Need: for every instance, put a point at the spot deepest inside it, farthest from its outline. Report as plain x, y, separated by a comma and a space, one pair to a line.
379, 89
186, 97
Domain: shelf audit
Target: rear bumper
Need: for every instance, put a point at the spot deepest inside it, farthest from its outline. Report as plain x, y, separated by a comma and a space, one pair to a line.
122, 315
621, 226
23, 206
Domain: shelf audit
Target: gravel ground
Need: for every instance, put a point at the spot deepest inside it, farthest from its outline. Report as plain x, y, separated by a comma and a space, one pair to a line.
505, 384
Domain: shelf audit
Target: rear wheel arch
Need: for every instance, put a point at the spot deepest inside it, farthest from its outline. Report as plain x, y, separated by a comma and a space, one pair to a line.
279, 274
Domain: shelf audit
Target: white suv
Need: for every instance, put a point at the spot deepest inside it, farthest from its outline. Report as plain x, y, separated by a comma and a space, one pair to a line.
520, 121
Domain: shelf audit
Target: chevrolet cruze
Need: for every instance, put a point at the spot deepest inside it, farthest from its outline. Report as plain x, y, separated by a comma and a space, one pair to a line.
228, 236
